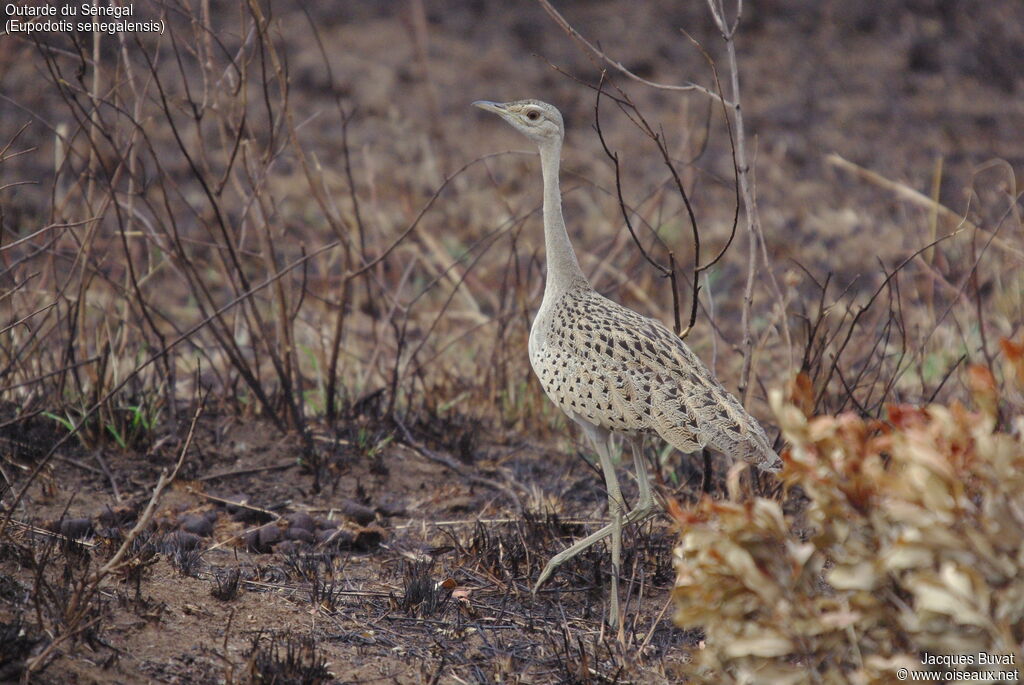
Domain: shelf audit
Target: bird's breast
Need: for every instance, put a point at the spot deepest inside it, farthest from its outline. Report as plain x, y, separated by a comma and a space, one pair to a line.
538, 338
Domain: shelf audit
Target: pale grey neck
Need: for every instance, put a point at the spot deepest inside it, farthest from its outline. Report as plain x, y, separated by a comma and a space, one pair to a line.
563, 267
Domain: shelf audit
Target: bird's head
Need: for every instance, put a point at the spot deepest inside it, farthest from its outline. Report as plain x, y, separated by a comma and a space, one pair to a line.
538, 121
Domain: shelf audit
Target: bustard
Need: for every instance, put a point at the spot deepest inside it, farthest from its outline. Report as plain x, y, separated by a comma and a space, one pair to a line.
612, 370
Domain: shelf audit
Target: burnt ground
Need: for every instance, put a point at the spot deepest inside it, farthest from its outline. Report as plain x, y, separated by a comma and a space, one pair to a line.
402, 569
383, 554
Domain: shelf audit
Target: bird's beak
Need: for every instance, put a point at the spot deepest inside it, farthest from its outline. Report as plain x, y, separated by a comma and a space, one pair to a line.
495, 107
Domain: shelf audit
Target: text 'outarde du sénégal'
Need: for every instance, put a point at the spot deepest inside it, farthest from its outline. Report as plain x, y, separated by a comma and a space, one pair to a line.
85, 9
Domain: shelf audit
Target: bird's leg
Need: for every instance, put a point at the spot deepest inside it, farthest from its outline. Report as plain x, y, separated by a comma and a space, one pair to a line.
615, 511
646, 505
644, 508
602, 443
569, 552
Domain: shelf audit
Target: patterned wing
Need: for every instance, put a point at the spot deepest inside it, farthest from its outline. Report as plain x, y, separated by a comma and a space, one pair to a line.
625, 372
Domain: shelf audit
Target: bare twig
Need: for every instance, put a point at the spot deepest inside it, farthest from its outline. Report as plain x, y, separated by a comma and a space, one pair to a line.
449, 463
90, 586
727, 32
165, 479
743, 186
597, 52
920, 199
670, 270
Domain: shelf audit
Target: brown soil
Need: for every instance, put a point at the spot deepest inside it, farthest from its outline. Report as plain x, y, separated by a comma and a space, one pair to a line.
427, 575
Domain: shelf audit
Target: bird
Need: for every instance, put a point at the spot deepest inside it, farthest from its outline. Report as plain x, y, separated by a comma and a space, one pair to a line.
614, 371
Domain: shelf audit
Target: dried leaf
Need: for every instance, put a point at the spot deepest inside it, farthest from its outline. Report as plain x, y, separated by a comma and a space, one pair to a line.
766, 645
1013, 352
983, 388
801, 393
919, 521
859, 576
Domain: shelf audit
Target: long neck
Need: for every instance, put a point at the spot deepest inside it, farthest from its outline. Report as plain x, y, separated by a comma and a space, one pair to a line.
563, 268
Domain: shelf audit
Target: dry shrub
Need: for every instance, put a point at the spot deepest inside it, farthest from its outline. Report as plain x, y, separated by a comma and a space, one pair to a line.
913, 542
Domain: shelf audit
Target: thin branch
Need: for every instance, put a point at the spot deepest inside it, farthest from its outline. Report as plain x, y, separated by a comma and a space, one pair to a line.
913, 196
614, 157
732, 147
161, 484
597, 52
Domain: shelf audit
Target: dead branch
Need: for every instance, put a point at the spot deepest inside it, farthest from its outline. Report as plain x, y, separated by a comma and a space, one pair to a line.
597, 52
907, 193
669, 271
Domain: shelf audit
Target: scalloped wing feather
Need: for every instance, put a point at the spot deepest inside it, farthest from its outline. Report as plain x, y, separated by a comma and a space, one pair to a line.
624, 372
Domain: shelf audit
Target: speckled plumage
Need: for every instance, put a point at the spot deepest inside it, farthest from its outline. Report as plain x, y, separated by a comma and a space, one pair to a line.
623, 372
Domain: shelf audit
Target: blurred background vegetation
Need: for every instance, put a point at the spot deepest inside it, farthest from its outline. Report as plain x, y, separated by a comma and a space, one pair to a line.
297, 204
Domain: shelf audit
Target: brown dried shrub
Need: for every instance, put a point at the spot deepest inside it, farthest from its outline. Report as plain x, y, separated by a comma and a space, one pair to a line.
913, 543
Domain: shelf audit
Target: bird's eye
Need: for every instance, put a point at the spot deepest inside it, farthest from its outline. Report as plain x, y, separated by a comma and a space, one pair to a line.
533, 115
